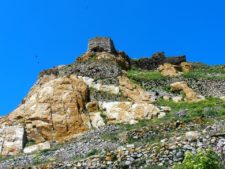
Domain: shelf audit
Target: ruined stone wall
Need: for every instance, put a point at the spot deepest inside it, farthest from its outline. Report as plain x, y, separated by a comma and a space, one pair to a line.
100, 44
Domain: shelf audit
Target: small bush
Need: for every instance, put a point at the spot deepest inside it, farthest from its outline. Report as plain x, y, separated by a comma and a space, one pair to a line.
201, 160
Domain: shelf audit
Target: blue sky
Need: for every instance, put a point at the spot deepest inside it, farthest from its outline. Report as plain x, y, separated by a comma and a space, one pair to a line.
56, 31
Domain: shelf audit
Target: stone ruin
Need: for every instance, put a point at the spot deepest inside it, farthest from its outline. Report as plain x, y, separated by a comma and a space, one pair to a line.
105, 44
101, 44
156, 60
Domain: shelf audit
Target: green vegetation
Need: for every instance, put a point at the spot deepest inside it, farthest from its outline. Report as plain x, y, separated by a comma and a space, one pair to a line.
138, 75
202, 160
211, 107
206, 72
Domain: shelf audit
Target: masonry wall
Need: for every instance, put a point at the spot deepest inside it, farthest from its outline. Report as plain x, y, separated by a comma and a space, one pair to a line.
101, 44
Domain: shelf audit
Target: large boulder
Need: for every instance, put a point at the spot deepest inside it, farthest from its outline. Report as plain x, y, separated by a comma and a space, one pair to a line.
128, 112
168, 69
53, 109
12, 139
190, 94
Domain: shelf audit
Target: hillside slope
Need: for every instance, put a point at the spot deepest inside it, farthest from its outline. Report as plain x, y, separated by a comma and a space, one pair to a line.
107, 110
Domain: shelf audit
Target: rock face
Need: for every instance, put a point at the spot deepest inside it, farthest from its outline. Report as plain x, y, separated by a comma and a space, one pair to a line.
97, 70
189, 93
12, 139
128, 112
53, 109
132, 91
37, 147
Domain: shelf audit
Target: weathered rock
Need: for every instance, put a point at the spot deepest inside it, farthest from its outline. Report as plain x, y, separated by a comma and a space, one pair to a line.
119, 57
186, 67
168, 69
192, 135
161, 115
38, 147
96, 70
189, 93
92, 106
133, 91
126, 112
99, 86
12, 139
96, 119
177, 99
53, 110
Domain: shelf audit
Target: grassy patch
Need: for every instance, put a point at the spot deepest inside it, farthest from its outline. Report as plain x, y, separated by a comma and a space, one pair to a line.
209, 108
206, 72
136, 74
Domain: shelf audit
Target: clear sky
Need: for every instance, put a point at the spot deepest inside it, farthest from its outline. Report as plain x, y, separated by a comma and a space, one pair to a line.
36, 35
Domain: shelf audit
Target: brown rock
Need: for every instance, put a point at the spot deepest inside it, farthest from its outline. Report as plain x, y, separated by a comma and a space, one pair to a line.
189, 93
133, 91
168, 69
92, 106
186, 67
53, 110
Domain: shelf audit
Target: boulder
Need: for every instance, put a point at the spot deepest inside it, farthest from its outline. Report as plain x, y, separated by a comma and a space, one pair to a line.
168, 69
12, 140
192, 135
128, 112
186, 67
133, 91
190, 95
53, 109
38, 147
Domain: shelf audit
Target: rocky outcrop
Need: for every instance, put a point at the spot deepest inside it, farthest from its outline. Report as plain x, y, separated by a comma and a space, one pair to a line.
100, 86
190, 95
128, 112
168, 69
120, 58
12, 139
133, 91
53, 109
38, 147
186, 67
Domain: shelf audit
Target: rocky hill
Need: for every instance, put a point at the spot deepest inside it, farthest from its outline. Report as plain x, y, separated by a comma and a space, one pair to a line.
107, 110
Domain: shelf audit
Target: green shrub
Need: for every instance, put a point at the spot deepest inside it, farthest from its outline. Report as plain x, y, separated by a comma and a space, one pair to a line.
201, 160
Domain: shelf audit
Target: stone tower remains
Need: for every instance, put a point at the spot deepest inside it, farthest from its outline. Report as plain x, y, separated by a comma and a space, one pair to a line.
100, 44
